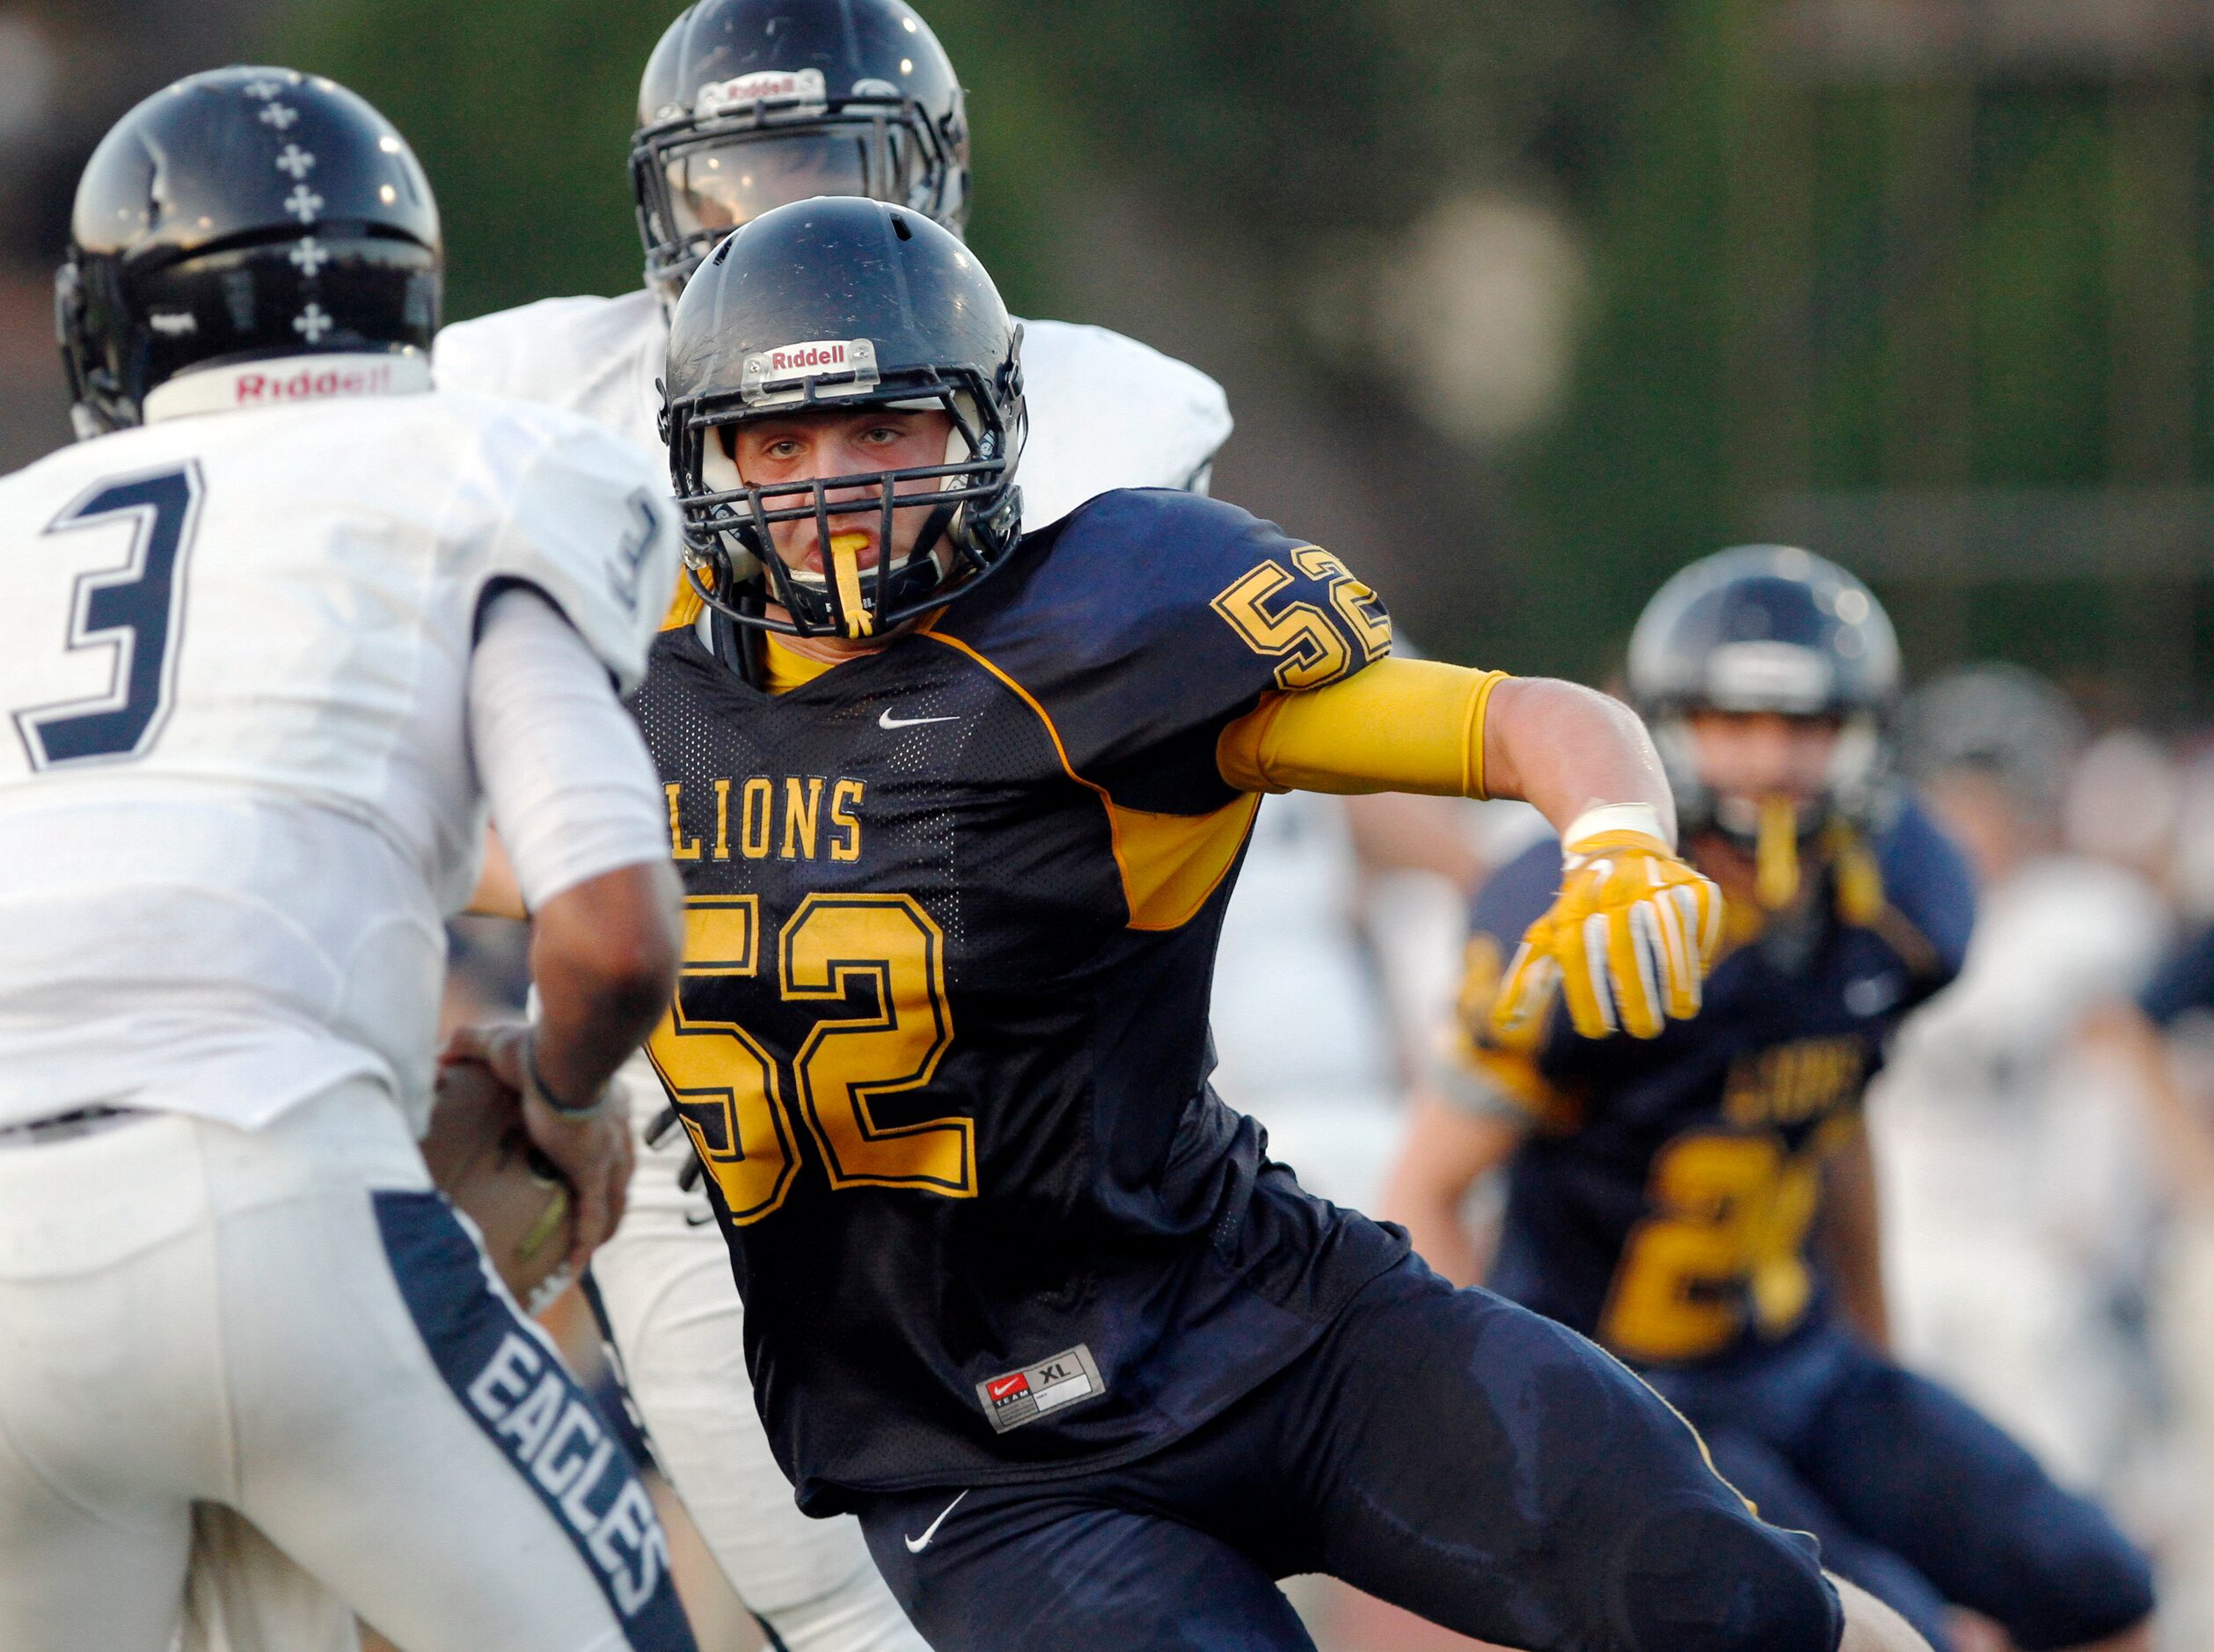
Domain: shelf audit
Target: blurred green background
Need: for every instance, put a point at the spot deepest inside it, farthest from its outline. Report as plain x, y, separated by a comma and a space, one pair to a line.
1522, 306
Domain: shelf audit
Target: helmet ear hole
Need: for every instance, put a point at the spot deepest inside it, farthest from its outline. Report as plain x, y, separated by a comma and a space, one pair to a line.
716, 468
957, 444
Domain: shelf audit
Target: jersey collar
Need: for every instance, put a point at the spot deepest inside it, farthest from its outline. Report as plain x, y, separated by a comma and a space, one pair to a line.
286, 380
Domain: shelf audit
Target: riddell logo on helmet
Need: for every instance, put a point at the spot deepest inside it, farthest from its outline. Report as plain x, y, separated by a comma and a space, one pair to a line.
765, 85
808, 358
785, 374
251, 388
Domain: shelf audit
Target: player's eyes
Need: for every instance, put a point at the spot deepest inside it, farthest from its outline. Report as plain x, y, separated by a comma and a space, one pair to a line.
784, 449
883, 435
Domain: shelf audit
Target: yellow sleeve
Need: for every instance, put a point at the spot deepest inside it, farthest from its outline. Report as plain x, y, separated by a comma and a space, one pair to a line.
1399, 725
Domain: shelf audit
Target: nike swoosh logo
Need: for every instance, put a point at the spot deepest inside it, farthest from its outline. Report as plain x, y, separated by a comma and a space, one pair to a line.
916, 1546
1872, 995
885, 720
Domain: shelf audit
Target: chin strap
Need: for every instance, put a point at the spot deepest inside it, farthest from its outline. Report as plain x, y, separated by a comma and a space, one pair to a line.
1859, 879
1778, 870
1776, 855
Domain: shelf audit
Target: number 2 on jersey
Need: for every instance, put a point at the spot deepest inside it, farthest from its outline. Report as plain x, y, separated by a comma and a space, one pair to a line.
1310, 649
133, 611
1733, 1213
728, 1089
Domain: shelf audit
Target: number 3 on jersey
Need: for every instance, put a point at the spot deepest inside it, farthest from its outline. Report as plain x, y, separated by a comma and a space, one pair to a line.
132, 611
729, 1090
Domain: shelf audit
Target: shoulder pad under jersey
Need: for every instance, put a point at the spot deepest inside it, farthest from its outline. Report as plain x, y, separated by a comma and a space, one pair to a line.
1106, 412
596, 356
580, 515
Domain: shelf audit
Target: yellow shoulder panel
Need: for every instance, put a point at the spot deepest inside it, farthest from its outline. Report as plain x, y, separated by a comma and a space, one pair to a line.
684, 608
1172, 863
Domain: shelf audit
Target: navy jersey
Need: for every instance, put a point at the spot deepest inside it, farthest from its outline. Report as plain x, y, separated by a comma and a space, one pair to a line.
941, 1036
2184, 984
1665, 1200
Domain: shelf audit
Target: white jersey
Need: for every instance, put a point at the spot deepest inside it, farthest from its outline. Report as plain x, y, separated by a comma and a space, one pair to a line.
2018, 1195
237, 797
1292, 936
1106, 411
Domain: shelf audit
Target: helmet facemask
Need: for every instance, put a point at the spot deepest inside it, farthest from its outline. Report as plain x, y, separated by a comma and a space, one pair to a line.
1774, 629
696, 177
1779, 831
974, 510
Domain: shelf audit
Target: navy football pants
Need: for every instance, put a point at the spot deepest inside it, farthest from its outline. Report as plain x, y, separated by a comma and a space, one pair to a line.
1915, 1496
1445, 1449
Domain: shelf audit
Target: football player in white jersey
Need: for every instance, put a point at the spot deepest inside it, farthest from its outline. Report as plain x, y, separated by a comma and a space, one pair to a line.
274, 640
745, 105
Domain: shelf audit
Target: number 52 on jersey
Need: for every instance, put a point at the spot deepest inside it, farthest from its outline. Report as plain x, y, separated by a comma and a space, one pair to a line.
743, 1108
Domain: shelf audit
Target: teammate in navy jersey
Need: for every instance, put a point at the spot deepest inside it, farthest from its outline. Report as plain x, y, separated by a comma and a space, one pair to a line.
1702, 1203
958, 810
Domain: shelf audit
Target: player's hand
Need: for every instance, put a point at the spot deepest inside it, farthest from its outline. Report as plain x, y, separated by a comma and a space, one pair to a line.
592, 1150
1628, 941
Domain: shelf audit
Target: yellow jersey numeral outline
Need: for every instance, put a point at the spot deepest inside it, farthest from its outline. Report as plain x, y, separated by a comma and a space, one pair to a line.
728, 1090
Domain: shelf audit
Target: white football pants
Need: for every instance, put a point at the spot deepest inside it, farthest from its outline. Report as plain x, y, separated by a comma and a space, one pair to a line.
664, 1284
287, 1323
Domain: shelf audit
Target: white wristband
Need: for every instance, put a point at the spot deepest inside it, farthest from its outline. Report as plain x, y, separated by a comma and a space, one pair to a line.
1614, 817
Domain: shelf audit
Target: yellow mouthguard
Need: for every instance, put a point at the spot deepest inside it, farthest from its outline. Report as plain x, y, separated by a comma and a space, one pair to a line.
846, 569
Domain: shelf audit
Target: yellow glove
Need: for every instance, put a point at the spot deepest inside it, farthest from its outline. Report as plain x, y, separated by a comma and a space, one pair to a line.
1629, 937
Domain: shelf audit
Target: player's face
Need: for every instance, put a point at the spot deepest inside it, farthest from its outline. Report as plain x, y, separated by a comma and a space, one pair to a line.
1758, 755
809, 446
716, 188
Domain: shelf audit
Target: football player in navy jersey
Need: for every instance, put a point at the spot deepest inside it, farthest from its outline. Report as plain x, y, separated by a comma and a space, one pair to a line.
1702, 1204
958, 810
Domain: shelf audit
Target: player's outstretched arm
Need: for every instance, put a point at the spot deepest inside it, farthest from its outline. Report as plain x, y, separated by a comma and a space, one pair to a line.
1567, 749
1628, 941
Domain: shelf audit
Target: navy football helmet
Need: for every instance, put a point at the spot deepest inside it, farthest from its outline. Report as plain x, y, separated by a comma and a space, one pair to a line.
242, 214
1999, 720
750, 105
838, 304
1769, 628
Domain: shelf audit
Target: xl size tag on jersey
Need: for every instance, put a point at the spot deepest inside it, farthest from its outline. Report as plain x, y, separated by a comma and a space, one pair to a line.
1026, 1395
